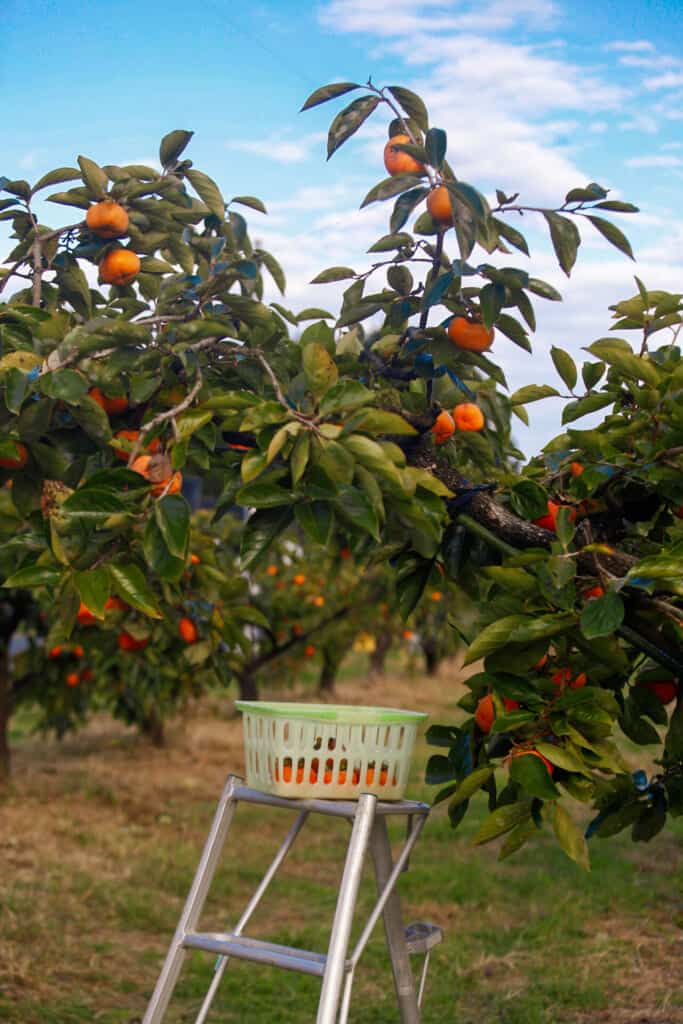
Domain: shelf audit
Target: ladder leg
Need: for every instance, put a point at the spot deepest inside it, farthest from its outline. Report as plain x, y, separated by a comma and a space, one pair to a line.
343, 917
393, 926
194, 903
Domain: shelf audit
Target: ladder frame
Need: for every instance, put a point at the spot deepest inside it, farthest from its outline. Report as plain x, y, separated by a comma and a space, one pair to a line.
336, 968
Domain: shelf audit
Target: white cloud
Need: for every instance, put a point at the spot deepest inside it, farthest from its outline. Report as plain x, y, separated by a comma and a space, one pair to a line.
635, 45
278, 149
654, 160
654, 61
406, 17
669, 80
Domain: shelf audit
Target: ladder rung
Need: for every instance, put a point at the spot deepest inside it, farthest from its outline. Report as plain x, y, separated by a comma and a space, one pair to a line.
258, 951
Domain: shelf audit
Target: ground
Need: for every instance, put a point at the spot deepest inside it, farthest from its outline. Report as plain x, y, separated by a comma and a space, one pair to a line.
100, 835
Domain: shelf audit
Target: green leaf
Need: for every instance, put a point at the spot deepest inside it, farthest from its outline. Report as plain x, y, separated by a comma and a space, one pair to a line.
469, 195
583, 406
93, 419
514, 331
333, 274
529, 772
251, 201
34, 576
260, 531
319, 368
545, 290
386, 243
93, 176
328, 92
357, 509
533, 393
502, 820
565, 366
436, 142
275, 271
263, 494
518, 628
602, 616
316, 520
348, 121
474, 781
570, 838
130, 584
437, 290
562, 758
510, 235
347, 394
404, 206
390, 187
55, 177
67, 385
172, 145
377, 421
528, 499
617, 206
299, 457
612, 233
565, 238
93, 588
172, 514
92, 503
412, 104
158, 556
439, 770
618, 353
16, 389
208, 191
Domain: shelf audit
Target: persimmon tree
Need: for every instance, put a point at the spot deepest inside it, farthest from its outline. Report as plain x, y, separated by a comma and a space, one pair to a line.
567, 580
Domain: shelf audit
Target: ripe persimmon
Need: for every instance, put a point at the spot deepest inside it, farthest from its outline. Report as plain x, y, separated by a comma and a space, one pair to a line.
194, 559
679, 512
17, 461
114, 604
113, 405
549, 521
485, 713
126, 642
665, 690
271, 570
319, 601
84, 616
54, 652
119, 266
73, 679
444, 427
540, 663
345, 553
309, 650
439, 206
107, 219
78, 651
575, 468
397, 161
592, 593
154, 472
470, 334
436, 595
299, 579
563, 678
468, 416
188, 630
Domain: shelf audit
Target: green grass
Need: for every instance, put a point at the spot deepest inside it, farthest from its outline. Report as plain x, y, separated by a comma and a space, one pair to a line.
532, 940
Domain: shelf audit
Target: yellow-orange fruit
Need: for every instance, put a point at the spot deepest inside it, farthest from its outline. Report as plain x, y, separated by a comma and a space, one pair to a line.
107, 219
397, 161
470, 335
468, 416
120, 266
444, 427
439, 206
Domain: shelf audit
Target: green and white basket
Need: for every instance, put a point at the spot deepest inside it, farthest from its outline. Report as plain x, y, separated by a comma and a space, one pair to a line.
328, 751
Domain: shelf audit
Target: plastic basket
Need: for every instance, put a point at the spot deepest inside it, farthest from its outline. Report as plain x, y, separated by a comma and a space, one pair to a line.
333, 752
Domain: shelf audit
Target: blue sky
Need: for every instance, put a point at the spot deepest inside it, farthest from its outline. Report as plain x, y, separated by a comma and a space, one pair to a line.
539, 94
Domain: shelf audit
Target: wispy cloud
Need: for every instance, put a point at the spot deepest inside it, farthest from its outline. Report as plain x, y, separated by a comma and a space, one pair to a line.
634, 45
669, 80
655, 160
278, 149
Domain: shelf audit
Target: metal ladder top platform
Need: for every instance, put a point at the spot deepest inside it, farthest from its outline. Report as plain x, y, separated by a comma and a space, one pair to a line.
336, 967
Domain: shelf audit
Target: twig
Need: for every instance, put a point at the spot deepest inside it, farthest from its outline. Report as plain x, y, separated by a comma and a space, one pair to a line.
168, 414
278, 391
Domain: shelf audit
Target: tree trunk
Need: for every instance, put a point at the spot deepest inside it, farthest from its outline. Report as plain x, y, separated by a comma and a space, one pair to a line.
379, 655
431, 656
248, 687
152, 727
328, 673
5, 710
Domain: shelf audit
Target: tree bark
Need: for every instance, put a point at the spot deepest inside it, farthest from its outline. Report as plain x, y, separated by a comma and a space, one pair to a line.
152, 727
379, 655
328, 673
431, 656
248, 687
5, 711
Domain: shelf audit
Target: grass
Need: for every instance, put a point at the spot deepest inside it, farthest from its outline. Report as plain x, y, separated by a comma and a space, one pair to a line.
101, 835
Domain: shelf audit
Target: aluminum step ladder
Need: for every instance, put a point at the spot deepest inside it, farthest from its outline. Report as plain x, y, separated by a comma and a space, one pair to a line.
336, 968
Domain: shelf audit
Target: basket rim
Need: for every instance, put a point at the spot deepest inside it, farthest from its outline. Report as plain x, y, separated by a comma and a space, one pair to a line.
348, 714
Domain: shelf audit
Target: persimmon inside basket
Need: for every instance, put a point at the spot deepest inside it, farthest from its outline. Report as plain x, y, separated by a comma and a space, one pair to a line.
328, 751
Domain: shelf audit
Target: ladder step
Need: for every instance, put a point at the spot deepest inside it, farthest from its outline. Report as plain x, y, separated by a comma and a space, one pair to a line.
421, 936
258, 951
